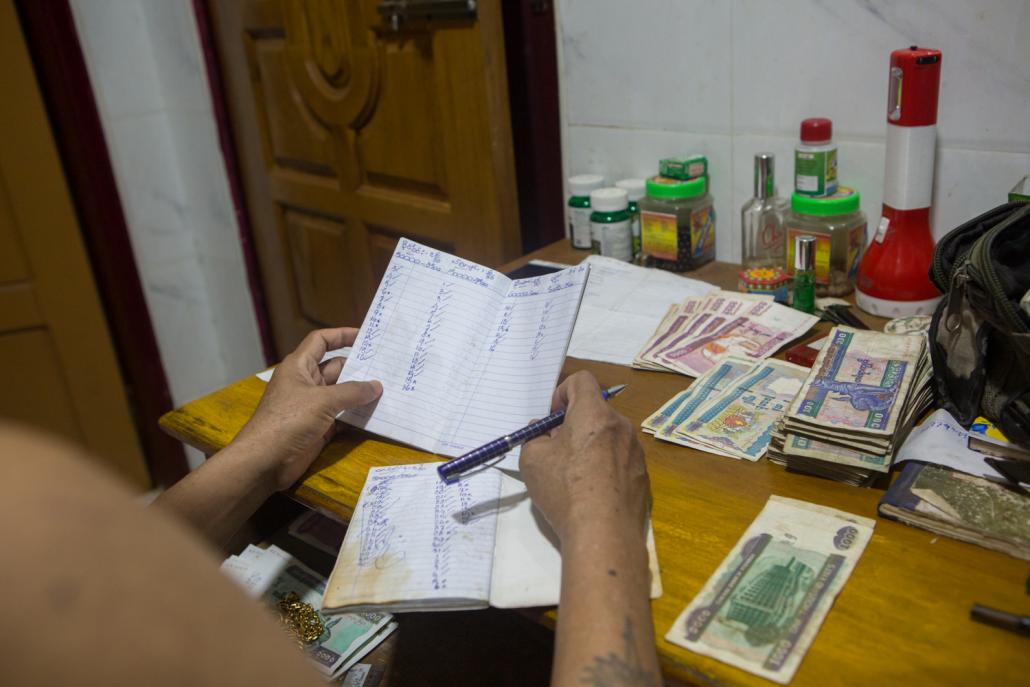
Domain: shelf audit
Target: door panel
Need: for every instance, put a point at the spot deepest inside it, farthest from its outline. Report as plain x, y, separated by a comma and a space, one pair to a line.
58, 369
351, 134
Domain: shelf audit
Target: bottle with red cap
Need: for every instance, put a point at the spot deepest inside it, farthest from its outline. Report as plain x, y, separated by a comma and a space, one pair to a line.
815, 159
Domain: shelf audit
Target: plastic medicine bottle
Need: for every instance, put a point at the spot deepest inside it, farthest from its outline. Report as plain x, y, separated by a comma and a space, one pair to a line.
580, 187
635, 190
610, 231
815, 159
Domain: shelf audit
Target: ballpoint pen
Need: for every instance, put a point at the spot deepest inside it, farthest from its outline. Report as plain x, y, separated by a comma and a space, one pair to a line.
453, 469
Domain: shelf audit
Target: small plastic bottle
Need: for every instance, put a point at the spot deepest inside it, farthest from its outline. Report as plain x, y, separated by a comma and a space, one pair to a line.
635, 190
815, 159
610, 232
580, 187
804, 274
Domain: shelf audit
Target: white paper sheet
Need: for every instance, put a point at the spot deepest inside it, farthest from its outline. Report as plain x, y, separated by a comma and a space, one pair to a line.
622, 306
943, 441
527, 555
465, 355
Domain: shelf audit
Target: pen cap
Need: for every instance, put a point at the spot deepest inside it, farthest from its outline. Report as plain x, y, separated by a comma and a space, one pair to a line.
804, 253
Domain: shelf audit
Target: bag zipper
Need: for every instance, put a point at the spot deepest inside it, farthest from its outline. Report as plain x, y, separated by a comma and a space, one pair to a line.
979, 256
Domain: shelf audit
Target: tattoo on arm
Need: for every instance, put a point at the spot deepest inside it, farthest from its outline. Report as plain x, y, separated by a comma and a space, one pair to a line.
619, 671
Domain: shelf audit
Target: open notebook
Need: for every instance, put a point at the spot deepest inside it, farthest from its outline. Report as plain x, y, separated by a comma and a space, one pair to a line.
465, 354
417, 544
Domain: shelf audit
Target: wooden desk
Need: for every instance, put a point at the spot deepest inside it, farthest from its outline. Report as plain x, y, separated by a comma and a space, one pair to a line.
902, 617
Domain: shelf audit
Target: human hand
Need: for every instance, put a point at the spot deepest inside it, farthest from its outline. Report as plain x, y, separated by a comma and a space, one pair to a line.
589, 472
296, 416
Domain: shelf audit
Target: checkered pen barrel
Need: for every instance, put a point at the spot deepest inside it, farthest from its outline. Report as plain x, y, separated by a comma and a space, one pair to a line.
451, 470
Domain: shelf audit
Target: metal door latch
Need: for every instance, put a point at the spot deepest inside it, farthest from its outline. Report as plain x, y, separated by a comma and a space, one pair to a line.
400, 12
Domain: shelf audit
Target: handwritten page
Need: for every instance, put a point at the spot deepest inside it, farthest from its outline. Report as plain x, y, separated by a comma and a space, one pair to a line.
465, 355
622, 306
416, 543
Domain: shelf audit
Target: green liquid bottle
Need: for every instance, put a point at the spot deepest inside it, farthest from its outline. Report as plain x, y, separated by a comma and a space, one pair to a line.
804, 274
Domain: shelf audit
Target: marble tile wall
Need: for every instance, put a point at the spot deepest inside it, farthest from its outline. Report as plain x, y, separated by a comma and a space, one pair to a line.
645, 79
150, 84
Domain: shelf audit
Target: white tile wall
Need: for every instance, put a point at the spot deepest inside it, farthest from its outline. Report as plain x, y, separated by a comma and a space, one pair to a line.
148, 75
651, 78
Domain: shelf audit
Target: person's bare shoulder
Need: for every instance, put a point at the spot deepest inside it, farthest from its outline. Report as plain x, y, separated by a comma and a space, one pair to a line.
101, 591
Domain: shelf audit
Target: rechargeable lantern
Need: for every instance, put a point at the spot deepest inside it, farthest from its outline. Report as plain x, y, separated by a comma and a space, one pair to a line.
893, 278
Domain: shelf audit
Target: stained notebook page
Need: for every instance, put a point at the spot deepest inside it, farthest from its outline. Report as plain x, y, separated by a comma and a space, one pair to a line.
465, 355
416, 543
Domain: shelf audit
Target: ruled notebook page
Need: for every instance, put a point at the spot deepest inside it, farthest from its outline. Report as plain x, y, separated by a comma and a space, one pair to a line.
429, 318
514, 374
416, 543
465, 354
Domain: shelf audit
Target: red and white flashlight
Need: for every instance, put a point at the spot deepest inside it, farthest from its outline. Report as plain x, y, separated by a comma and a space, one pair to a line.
893, 278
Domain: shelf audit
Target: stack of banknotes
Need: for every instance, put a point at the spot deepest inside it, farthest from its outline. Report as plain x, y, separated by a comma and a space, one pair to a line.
731, 409
270, 574
761, 610
865, 391
701, 331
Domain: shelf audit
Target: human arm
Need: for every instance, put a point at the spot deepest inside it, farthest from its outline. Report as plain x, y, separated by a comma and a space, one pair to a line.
102, 592
292, 423
589, 480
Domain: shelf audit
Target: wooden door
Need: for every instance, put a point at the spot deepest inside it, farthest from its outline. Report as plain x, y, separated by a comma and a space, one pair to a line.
350, 134
58, 369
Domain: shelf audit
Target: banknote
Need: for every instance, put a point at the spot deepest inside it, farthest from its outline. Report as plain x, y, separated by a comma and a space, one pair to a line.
674, 321
762, 608
695, 317
753, 329
704, 387
859, 382
344, 634
740, 419
813, 448
661, 417
272, 573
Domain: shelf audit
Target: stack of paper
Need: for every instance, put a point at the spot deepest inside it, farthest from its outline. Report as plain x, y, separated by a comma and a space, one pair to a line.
731, 409
701, 331
272, 573
860, 399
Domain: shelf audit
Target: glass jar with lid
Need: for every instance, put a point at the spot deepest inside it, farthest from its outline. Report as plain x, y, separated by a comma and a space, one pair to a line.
677, 224
839, 227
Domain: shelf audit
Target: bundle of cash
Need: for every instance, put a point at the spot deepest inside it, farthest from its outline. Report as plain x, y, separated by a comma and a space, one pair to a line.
865, 391
762, 608
730, 410
699, 332
273, 575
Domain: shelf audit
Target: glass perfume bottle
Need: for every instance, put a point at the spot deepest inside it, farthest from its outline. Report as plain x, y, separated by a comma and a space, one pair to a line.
761, 219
